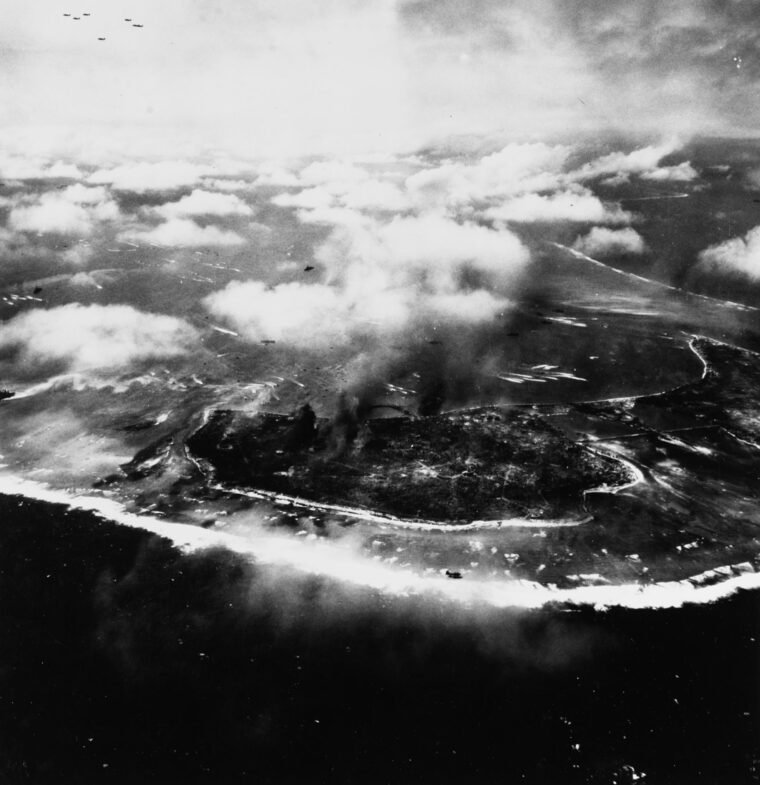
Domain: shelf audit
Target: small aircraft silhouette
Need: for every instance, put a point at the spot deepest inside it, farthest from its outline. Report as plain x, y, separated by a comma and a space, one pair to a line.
453, 574
127, 20
101, 39
75, 17
67, 14
308, 268
85, 14
136, 25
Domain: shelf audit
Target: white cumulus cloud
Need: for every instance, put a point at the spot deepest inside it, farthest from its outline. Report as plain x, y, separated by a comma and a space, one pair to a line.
94, 336
381, 277
739, 255
601, 241
582, 207
77, 210
309, 198
515, 169
183, 233
373, 195
201, 202
680, 173
16, 167
142, 177
643, 159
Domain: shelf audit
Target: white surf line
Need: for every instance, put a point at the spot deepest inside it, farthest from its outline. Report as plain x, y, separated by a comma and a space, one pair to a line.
738, 438
579, 255
338, 562
637, 475
705, 365
371, 516
709, 339
650, 432
631, 399
622, 399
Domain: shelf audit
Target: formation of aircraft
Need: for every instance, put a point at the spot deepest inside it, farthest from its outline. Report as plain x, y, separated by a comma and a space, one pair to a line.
87, 13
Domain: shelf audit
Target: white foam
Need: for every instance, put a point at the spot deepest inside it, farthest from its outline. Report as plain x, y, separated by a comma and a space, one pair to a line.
359, 513
341, 561
585, 258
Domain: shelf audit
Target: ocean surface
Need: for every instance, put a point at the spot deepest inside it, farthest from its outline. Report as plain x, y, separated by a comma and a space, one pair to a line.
125, 659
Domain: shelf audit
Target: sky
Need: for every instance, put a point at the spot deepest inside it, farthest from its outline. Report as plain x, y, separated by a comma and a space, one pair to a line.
293, 77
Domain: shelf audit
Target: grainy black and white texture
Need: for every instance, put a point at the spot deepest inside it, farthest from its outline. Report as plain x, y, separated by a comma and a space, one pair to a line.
378, 392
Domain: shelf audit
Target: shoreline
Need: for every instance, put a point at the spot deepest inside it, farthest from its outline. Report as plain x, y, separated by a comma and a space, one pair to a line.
340, 563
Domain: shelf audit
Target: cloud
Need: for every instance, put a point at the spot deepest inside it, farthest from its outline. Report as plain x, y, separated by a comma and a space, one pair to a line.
294, 313
638, 161
78, 254
682, 173
94, 337
643, 162
377, 195
274, 173
318, 316
82, 194
580, 207
738, 255
34, 168
381, 277
335, 183
309, 198
332, 172
601, 241
636, 67
183, 233
52, 215
520, 182
429, 251
386, 75
366, 195
143, 177
227, 184
201, 202
515, 169
77, 211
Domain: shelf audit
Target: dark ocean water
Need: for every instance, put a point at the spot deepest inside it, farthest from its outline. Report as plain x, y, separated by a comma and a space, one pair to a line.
123, 660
